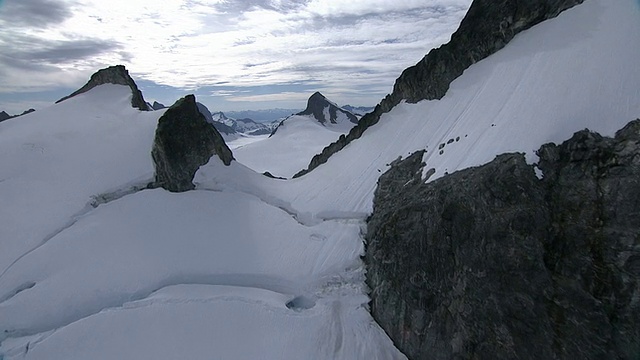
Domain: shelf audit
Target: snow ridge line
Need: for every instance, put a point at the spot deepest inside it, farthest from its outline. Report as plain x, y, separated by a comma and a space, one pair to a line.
306, 219
94, 203
292, 290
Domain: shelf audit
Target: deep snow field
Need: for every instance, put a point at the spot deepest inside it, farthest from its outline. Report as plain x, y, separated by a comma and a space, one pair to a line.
291, 147
248, 267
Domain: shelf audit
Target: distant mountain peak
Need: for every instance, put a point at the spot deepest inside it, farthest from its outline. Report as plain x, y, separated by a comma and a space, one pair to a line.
157, 106
4, 116
113, 75
221, 116
326, 111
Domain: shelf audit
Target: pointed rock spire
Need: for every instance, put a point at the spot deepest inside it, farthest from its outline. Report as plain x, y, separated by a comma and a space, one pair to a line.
316, 106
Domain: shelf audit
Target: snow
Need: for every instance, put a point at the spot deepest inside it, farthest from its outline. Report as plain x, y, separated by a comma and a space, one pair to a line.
52, 163
540, 88
244, 140
292, 146
96, 266
248, 267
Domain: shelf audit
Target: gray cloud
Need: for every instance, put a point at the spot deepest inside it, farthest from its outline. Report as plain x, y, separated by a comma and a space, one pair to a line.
33, 50
34, 13
69, 51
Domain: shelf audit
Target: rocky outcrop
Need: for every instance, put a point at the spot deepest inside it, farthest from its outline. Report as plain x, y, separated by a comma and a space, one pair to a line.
4, 116
184, 141
113, 75
487, 27
494, 263
158, 106
319, 107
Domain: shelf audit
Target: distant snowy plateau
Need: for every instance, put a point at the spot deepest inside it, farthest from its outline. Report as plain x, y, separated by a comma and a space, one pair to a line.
95, 266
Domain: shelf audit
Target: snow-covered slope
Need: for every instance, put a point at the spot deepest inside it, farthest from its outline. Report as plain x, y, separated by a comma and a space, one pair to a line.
96, 266
573, 72
297, 138
163, 276
53, 168
291, 147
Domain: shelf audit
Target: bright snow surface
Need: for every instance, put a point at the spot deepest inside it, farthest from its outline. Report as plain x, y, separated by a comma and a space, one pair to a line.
294, 143
209, 273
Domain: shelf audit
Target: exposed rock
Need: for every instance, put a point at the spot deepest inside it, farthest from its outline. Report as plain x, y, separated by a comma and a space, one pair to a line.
270, 175
185, 141
26, 112
158, 106
494, 263
113, 75
4, 116
487, 27
318, 104
204, 110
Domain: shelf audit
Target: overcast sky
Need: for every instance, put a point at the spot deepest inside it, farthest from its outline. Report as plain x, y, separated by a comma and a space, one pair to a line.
234, 55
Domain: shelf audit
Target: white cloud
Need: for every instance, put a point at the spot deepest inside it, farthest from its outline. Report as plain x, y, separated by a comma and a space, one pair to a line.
283, 96
194, 43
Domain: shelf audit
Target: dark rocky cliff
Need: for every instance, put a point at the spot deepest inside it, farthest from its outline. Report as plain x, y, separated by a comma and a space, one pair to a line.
185, 141
494, 263
113, 75
487, 27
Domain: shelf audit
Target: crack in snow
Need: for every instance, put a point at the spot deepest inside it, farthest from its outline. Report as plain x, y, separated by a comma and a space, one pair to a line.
256, 281
96, 200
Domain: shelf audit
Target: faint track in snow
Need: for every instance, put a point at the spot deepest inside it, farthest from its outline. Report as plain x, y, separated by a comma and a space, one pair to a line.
94, 203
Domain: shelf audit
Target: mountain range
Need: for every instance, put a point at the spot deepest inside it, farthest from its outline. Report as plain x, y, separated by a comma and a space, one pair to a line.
486, 208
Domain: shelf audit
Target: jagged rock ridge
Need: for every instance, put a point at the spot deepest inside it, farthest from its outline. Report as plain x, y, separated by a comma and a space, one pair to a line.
486, 28
245, 125
4, 116
492, 262
113, 75
184, 141
319, 107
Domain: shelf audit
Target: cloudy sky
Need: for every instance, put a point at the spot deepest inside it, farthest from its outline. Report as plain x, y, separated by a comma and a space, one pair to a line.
233, 54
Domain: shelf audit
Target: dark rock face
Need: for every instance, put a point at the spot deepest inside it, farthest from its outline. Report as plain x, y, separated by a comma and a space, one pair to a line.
158, 106
223, 128
494, 263
316, 105
487, 27
4, 116
113, 75
204, 110
184, 141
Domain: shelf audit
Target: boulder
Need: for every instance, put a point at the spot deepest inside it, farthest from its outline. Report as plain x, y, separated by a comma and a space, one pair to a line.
184, 141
